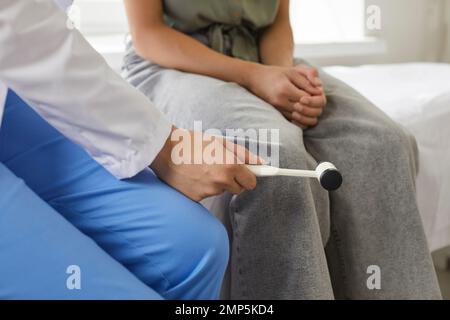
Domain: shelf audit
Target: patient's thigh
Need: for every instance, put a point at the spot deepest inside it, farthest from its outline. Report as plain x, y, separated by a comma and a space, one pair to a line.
187, 97
354, 132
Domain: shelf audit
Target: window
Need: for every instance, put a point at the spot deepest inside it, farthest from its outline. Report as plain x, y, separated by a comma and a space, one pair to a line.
104, 24
313, 21
328, 21
102, 17
322, 28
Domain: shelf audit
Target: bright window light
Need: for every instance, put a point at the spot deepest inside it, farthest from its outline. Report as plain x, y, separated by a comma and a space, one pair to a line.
100, 17
325, 21
313, 21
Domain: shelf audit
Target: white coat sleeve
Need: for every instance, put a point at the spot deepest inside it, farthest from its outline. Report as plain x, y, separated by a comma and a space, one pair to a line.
70, 85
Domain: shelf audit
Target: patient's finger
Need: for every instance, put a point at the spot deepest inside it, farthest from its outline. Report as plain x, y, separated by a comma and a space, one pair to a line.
302, 82
304, 120
308, 111
314, 101
287, 115
299, 125
294, 93
291, 106
310, 73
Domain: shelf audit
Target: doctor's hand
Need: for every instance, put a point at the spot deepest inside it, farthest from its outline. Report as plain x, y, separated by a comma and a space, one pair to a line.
203, 169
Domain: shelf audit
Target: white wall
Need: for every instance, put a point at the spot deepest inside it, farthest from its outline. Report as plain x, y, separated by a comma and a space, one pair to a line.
413, 30
446, 54
405, 25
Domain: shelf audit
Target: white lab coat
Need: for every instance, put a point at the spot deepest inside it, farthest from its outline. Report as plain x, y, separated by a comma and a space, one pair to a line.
70, 85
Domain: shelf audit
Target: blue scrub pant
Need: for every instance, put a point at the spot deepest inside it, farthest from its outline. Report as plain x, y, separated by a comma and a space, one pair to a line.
129, 239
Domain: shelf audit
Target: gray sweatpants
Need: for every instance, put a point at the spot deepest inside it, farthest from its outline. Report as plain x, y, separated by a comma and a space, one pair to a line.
291, 239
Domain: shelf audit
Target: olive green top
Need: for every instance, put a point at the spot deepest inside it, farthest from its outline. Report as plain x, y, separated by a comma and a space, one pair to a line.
231, 26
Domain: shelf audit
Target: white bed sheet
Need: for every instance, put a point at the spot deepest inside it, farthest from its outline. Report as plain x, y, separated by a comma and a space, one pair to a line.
418, 97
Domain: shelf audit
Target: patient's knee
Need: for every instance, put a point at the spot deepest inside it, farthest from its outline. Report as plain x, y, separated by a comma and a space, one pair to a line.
395, 140
292, 151
387, 145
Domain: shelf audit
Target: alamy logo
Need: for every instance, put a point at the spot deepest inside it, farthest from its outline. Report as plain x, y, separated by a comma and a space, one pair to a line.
374, 280
73, 281
207, 146
373, 18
